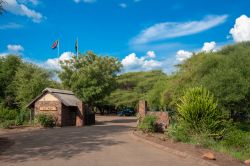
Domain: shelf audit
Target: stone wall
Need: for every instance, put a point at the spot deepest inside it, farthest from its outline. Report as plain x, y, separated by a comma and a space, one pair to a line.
162, 117
40, 107
80, 116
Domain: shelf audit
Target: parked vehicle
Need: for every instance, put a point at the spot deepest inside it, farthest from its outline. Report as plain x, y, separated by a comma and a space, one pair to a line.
126, 112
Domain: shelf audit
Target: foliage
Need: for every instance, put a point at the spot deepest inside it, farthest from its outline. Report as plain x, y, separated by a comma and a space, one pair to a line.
7, 124
148, 124
8, 68
198, 111
46, 120
29, 82
23, 117
91, 77
1, 6
132, 87
7, 114
178, 133
155, 95
225, 73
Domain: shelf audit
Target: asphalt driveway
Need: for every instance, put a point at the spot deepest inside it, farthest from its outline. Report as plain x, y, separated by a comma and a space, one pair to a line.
109, 143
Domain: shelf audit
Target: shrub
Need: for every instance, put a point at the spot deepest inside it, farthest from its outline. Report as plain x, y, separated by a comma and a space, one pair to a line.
178, 133
198, 111
148, 123
22, 117
7, 114
7, 124
236, 138
46, 120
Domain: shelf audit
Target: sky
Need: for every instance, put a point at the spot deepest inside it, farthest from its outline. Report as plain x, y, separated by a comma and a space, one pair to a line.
143, 34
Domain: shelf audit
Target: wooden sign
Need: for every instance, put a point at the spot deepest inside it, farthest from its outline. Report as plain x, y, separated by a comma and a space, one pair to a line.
48, 108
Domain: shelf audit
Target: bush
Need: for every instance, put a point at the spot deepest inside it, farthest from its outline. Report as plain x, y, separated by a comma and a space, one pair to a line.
148, 123
236, 138
178, 133
198, 111
7, 114
46, 120
7, 124
22, 117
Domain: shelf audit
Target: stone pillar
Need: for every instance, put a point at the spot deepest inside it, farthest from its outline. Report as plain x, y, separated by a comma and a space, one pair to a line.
142, 108
80, 116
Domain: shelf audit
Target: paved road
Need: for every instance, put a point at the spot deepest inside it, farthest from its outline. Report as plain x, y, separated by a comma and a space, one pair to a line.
107, 144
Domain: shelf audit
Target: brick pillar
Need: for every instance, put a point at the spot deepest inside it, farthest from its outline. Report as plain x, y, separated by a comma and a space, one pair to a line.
142, 108
80, 117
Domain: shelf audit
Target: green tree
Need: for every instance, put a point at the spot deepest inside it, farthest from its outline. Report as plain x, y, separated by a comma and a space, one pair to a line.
155, 95
226, 73
89, 76
8, 68
133, 87
1, 6
29, 82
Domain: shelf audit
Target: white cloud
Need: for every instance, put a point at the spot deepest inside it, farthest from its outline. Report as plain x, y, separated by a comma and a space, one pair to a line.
20, 9
85, 1
54, 63
134, 63
209, 46
15, 48
3, 54
10, 25
123, 5
241, 29
182, 55
151, 54
165, 30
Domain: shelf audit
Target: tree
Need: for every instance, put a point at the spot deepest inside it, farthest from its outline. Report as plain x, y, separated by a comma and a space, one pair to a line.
89, 76
132, 87
8, 68
1, 6
29, 82
155, 95
226, 73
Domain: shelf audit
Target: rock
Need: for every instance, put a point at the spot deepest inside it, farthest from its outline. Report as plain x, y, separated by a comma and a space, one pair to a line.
247, 162
209, 156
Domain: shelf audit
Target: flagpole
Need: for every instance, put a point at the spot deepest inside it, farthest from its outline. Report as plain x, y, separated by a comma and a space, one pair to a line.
58, 48
77, 47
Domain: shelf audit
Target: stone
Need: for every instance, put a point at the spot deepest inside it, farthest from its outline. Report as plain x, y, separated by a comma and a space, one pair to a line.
209, 156
247, 162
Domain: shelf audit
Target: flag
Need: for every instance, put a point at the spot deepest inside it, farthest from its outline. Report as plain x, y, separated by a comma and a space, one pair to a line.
76, 45
55, 44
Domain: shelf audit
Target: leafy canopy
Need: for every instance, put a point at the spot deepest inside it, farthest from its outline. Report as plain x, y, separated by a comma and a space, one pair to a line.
89, 76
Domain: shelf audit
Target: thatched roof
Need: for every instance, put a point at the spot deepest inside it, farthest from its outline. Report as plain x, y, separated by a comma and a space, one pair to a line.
66, 97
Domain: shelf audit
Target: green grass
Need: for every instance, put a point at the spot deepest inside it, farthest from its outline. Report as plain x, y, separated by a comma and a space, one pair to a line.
235, 143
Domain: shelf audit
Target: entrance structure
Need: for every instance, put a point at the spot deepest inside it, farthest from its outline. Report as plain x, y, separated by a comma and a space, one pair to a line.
66, 108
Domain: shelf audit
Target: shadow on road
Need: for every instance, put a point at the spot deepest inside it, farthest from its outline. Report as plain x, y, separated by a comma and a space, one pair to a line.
61, 142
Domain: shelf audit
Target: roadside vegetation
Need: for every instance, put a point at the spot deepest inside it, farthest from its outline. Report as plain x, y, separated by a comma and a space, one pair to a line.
209, 100
208, 97
20, 82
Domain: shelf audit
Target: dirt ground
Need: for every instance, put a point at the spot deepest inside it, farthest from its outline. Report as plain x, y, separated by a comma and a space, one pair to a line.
108, 143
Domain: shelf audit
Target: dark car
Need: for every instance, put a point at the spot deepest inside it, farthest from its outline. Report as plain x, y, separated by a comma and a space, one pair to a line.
126, 112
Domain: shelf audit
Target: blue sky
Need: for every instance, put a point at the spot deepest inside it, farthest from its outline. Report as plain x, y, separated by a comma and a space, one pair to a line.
143, 34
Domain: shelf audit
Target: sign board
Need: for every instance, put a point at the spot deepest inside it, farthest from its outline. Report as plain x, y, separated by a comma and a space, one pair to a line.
48, 108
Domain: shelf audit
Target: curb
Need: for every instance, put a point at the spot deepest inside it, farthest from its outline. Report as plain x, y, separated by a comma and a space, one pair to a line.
172, 151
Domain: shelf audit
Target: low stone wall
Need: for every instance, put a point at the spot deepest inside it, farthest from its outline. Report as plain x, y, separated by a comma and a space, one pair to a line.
162, 117
162, 120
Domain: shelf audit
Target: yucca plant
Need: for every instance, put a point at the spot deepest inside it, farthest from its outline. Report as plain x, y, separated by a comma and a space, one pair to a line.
198, 111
